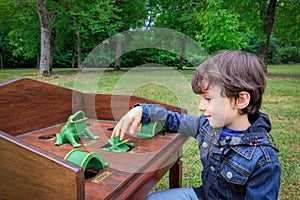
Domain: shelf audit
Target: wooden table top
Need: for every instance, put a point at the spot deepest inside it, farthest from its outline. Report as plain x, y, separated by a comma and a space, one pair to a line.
126, 170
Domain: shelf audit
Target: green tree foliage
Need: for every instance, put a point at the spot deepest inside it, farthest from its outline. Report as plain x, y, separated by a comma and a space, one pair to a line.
286, 26
221, 27
176, 15
132, 14
286, 33
19, 29
79, 26
84, 25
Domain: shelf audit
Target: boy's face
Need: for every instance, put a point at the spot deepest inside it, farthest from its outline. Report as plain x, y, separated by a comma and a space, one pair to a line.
219, 110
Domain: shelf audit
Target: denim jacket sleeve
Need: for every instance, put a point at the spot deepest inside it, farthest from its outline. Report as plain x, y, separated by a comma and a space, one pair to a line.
264, 182
173, 122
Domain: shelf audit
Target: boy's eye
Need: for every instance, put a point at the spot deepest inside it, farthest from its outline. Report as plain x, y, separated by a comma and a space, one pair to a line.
206, 98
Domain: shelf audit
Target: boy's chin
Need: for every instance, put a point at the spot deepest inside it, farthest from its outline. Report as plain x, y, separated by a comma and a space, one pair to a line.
215, 125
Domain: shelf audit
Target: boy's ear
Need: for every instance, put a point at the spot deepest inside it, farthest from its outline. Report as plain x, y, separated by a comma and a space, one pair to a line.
243, 100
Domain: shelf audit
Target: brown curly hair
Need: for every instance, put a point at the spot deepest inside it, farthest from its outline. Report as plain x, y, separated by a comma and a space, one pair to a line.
234, 71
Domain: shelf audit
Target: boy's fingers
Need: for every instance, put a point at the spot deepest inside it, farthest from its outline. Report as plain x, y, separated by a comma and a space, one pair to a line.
122, 135
117, 130
134, 126
128, 123
121, 128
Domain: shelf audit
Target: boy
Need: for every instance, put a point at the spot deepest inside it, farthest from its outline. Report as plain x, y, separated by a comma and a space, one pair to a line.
237, 152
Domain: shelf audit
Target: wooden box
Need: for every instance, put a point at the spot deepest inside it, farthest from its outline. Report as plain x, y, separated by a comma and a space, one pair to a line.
34, 168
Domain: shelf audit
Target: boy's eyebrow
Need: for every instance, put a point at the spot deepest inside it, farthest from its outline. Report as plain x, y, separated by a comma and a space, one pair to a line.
205, 91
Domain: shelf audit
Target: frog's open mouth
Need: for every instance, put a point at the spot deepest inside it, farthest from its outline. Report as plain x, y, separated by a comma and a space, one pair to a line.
78, 117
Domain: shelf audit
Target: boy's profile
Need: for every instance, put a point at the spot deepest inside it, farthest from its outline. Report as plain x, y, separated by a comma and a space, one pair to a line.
236, 150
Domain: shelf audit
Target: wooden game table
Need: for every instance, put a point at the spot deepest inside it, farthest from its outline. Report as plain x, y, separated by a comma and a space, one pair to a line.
32, 167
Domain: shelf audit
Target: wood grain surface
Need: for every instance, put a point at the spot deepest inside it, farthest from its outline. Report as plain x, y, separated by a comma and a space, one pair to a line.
32, 167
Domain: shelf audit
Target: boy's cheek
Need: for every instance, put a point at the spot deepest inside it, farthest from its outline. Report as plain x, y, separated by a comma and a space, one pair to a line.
217, 121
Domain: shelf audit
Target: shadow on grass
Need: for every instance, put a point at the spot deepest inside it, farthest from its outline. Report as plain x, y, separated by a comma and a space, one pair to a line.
283, 76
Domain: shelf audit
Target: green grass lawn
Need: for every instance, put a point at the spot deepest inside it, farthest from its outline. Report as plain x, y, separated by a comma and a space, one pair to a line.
281, 103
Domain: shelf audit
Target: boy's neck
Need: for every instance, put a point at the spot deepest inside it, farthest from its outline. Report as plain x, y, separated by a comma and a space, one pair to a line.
241, 123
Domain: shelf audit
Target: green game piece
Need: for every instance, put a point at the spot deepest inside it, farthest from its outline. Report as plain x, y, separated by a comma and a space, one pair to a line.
149, 130
86, 159
118, 146
73, 129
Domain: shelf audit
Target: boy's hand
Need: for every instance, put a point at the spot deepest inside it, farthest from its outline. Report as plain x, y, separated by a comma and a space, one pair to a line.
129, 123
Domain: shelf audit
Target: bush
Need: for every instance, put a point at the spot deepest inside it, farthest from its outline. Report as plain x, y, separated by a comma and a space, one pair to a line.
287, 55
144, 56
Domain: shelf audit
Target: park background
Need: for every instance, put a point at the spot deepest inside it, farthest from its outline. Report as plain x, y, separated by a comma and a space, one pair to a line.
50, 40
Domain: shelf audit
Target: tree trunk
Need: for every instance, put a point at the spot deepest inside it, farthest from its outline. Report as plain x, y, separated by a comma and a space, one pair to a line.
79, 49
118, 55
1, 61
267, 29
38, 59
52, 42
44, 69
73, 58
182, 54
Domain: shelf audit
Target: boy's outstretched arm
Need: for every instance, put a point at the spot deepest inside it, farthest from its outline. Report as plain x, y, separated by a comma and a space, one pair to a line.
129, 123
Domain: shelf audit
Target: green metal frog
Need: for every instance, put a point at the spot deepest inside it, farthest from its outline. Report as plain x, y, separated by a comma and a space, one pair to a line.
73, 129
117, 145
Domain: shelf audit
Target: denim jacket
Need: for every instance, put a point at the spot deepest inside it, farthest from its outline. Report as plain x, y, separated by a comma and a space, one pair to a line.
235, 167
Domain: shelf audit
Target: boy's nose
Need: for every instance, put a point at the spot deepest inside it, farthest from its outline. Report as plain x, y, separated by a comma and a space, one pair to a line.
201, 106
